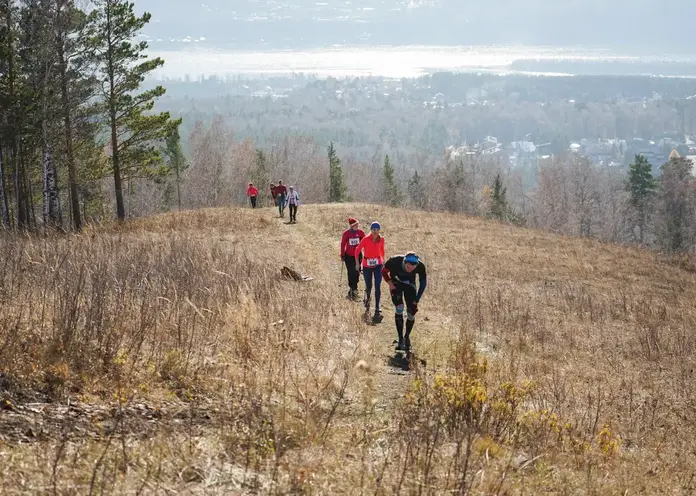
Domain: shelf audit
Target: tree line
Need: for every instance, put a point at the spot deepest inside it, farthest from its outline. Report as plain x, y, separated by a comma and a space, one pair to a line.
72, 112
80, 139
566, 193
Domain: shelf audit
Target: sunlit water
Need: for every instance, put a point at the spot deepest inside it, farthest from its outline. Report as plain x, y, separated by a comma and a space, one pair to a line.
401, 61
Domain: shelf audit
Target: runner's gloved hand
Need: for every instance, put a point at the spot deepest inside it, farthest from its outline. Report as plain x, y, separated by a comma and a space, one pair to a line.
414, 308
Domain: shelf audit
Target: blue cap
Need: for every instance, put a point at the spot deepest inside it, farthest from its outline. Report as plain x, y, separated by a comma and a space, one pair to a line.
411, 258
375, 225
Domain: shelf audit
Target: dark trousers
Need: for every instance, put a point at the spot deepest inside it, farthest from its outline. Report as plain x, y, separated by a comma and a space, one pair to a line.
404, 293
253, 201
353, 275
375, 273
280, 202
293, 212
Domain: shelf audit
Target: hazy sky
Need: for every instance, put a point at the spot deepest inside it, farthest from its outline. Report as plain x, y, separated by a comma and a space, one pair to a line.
624, 24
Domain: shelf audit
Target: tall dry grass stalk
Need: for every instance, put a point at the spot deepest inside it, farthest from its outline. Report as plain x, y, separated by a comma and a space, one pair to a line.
168, 355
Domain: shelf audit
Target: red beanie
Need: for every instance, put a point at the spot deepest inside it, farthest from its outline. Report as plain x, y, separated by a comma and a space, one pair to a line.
352, 221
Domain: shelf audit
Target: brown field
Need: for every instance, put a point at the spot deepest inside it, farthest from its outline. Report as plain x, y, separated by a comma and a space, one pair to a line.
168, 356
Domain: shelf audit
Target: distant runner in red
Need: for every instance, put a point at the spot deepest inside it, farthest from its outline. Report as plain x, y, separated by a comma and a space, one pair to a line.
349, 242
252, 193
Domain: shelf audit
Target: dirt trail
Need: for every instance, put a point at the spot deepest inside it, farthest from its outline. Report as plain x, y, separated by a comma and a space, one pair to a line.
317, 253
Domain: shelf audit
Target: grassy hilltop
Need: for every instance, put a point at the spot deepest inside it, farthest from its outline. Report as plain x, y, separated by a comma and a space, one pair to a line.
168, 355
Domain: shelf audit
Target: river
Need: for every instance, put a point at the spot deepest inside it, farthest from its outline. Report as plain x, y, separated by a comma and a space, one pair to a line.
196, 59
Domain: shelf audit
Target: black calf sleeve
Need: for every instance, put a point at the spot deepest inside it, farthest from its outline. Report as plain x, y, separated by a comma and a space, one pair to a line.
399, 319
409, 326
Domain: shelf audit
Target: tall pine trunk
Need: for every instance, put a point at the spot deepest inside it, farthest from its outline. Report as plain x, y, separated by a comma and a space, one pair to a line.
22, 214
178, 185
51, 200
67, 118
118, 188
18, 179
4, 212
28, 195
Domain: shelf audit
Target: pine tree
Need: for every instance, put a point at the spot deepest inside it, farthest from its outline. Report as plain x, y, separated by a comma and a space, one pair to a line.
77, 86
176, 162
498, 200
122, 67
337, 187
456, 189
391, 189
499, 208
260, 175
416, 191
676, 198
15, 104
38, 59
642, 188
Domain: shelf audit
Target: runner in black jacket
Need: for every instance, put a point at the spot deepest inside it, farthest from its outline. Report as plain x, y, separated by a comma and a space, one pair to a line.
400, 273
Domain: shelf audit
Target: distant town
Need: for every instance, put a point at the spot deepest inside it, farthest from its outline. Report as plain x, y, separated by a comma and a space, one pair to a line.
516, 120
617, 153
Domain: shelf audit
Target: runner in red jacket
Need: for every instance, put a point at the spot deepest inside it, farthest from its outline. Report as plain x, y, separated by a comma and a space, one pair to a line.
252, 193
372, 247
349, 243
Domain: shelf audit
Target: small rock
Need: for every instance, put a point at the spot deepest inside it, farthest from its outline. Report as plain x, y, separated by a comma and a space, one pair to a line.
192, 474
362, 366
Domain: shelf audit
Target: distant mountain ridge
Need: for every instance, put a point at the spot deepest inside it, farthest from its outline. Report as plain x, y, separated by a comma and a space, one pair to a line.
637, 25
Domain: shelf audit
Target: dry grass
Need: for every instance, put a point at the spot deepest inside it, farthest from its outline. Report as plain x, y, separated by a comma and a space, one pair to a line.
166, 356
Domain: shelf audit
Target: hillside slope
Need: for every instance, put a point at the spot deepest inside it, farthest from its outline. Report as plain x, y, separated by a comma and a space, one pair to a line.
546, 364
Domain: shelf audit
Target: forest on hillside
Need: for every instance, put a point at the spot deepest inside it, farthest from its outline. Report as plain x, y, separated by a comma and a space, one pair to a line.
412, 118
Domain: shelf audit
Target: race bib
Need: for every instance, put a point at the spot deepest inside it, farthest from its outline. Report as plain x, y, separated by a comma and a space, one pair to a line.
372, 262
354, 241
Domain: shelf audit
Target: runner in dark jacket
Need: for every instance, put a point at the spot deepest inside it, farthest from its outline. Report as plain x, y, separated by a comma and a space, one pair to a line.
273, 194
400, 273
281, 192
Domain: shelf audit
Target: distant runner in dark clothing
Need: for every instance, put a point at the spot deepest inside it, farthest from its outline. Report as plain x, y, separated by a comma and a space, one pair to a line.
400, 273
281, 193
273, 194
